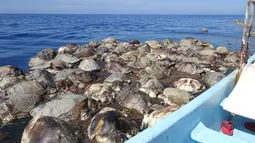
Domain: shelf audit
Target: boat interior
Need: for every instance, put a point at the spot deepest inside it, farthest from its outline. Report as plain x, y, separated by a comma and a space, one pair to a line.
240, 108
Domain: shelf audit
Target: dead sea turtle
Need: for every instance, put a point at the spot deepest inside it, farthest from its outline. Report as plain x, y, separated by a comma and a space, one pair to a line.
65, 49
69, 59
10, 70
150, 86
175, 96
116, 81
109, 40
110, 126
99, 92
131, 99
8, 81
89, 65
211, 78
7, 114
153, 44
59, 106
117, 67
150, 120
47, 54
189, 85
189, 68
84, 52
52, 66
109, 57
45, 78
232, 59
25, 95
52, 130
222, 50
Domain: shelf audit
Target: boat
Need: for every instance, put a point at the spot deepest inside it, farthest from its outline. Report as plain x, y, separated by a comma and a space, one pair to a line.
201, 120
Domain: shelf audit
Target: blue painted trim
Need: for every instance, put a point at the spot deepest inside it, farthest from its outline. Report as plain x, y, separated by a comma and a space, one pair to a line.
178, 126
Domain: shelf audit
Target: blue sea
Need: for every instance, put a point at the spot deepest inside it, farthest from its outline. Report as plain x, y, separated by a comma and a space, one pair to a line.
23, 35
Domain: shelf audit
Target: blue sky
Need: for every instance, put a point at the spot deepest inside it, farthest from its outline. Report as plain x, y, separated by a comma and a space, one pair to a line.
124, 6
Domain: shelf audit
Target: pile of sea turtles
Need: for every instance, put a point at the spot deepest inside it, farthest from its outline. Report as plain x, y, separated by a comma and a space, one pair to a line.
108, 91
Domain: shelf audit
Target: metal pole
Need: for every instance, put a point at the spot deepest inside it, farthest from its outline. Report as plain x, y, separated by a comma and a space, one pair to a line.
249, 34
243, 40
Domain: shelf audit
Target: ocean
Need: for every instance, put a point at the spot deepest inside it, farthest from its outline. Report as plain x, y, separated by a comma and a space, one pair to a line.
23, 35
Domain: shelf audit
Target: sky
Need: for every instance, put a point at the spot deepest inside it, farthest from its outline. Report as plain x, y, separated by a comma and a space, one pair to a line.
215, 7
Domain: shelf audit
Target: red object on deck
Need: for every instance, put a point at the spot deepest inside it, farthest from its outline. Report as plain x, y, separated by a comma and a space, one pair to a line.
250, 126
227, 128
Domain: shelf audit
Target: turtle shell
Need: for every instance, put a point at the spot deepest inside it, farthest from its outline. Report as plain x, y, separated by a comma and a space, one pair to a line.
111, 126
189, 85
52, 130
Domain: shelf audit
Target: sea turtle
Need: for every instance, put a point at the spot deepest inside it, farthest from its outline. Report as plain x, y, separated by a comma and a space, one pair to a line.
189, 85
116, 81
73, 46
84, 53
45, 78
93, 43
144, 61
159, 71
10, 70
79, 76
175, 96
35, 61
129, 98
208, 54
59, 107
52, 130
109, 40
153, 118
217, 68
7, 114
232, 59
122, 48
150, 86
8, 81
130, 58
109, 57
153, 44
222, 50
24, 95
89, 65
65, 49
99, 92
52, 66
110, 126
189, 68
69, 59
117, 67
188, 41
134, 42
204, 30
144, 48
80, 79
47, 54
211, 78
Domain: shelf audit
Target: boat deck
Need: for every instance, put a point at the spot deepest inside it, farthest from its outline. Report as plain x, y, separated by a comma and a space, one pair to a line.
240, 131
203, 134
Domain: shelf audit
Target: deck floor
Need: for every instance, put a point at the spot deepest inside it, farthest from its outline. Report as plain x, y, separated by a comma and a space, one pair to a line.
240, 131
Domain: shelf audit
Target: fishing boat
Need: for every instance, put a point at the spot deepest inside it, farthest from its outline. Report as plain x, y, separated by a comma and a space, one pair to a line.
202, 120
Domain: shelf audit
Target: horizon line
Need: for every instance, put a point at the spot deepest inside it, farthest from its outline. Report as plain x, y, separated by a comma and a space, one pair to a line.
118, 14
